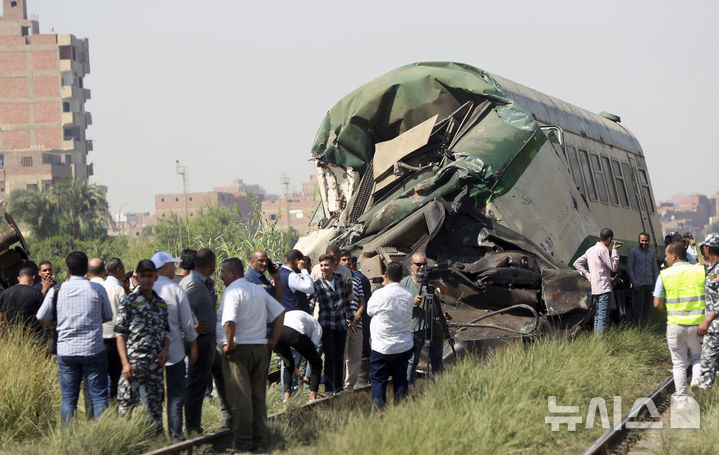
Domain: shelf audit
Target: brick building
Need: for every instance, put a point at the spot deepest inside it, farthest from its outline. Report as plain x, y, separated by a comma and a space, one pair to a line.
42, 103
166, 204
294, 212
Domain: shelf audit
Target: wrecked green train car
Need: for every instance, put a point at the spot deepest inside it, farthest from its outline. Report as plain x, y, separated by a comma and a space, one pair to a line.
501, 184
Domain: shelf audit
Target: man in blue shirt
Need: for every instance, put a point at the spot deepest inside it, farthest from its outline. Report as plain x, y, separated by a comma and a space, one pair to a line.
259, 265
643, 271
79, 311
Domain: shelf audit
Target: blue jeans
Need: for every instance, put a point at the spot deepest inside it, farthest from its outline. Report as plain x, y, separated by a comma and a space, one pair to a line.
72, 368
381, 367
601, 314
436, 348
176, 389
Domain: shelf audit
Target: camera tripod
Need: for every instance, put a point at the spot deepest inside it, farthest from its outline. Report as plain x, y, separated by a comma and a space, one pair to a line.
434, 319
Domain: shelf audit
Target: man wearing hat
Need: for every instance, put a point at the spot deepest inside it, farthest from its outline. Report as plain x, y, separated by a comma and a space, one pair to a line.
710, 327
143, 340
182, 329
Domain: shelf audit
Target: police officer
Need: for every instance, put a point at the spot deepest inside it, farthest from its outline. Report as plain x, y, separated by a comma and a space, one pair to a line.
710, 327
680, 292
143, 340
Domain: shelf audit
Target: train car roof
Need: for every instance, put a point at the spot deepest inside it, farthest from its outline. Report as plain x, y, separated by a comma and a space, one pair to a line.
553, 111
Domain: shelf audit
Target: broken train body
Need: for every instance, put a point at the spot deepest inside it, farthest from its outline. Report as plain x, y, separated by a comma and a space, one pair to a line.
503, 185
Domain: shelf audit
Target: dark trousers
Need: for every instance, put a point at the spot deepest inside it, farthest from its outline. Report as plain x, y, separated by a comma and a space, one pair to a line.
175, 381
642, 300
291, 338
114, 365
198, 377
218, 376
333, 345
381, 367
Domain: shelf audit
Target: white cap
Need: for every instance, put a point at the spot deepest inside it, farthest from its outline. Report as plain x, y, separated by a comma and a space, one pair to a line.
161, 258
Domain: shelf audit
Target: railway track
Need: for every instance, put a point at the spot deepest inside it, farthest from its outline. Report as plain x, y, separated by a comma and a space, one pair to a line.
222, 439
617, 438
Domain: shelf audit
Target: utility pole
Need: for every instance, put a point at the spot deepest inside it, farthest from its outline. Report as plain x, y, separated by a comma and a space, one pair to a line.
119, 213
182, 171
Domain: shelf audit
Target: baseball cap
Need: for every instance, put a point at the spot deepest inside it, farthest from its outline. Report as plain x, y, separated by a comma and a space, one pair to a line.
161, 258
145, 264
711, 240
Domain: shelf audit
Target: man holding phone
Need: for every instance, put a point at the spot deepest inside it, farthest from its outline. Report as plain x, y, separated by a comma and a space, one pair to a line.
259, 264
597, 265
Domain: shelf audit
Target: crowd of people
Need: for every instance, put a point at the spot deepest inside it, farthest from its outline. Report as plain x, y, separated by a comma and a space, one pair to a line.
157, 330
685, 289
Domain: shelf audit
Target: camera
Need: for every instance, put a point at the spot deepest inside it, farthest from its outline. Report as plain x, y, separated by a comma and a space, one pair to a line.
377, 280
271, 267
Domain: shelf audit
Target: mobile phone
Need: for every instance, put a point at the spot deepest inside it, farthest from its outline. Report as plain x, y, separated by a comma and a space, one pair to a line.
271, 266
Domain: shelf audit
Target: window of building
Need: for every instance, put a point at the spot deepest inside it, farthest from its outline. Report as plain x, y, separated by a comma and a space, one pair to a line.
65, 53
619, 179
68, 159
26, 161
24, 30
32, 186
163, 215
65, 106
610, 180
46, 185
190, 198
599, 177
79, 82
13, 3
192, 213
2, 160
74, 54
588, 177
177, 199
574, 166
273, 217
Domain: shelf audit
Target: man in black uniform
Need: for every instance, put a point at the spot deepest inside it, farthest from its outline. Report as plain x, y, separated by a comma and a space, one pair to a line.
21, 302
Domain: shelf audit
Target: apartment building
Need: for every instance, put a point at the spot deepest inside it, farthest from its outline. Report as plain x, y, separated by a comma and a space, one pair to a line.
42, 103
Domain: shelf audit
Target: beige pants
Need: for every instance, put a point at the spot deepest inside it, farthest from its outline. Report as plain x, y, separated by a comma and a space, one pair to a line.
685, 348
353, 357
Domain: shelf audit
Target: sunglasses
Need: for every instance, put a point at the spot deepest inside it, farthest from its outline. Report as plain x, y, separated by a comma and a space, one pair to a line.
420, 264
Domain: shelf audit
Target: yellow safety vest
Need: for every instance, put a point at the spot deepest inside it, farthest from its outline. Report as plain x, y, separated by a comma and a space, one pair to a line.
684, 290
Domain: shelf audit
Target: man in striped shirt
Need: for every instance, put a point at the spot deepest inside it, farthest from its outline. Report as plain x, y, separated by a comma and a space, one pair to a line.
597, 265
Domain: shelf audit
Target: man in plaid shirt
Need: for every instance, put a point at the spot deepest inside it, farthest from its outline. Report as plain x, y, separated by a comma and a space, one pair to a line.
335, 316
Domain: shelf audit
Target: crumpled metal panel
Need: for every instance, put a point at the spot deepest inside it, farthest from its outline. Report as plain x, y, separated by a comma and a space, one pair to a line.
564, 290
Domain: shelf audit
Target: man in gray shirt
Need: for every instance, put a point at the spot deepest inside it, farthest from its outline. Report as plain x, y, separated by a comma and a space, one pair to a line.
643, 271
200, 289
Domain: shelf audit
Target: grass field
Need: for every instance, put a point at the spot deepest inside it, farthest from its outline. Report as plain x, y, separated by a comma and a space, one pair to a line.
492, 405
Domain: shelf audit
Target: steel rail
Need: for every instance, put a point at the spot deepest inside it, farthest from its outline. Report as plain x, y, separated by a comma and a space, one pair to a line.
189, 445
615, 435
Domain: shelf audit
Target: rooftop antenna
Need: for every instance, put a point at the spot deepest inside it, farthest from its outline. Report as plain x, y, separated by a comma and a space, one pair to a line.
285, 184
182, 171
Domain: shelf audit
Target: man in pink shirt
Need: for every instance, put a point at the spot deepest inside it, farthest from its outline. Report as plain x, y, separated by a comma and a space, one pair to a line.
597, 265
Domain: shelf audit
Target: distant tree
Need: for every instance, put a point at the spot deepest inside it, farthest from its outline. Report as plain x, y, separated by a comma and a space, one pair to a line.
37, 210
69, 205
83, 207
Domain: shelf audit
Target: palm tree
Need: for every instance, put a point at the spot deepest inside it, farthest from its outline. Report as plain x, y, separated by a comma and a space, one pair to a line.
35, 209
82, 206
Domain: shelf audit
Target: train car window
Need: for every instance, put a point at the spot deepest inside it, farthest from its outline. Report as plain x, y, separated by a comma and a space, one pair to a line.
576, 172
588, 177
631, 186
646, 191
599, 178
619, 179
610, 180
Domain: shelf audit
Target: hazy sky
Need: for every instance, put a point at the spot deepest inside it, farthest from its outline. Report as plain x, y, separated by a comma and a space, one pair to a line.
237, 89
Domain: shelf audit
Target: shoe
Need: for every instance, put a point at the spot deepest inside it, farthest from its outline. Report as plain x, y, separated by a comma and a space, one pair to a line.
694, 385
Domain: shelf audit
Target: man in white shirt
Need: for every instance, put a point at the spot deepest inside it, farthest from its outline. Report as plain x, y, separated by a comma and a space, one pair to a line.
242, 331
391, 330
115, 292
302, 333
182, 329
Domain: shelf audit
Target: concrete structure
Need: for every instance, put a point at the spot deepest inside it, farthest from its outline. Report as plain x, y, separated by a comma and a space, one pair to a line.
240, 188
133, 224
167, 204
294, 212
689, 213
42, 103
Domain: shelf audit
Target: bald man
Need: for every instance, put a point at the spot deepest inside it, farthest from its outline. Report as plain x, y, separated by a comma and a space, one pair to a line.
259, 265
96, 270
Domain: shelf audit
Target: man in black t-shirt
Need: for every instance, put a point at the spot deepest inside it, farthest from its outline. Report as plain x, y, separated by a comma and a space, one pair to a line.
21, 302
